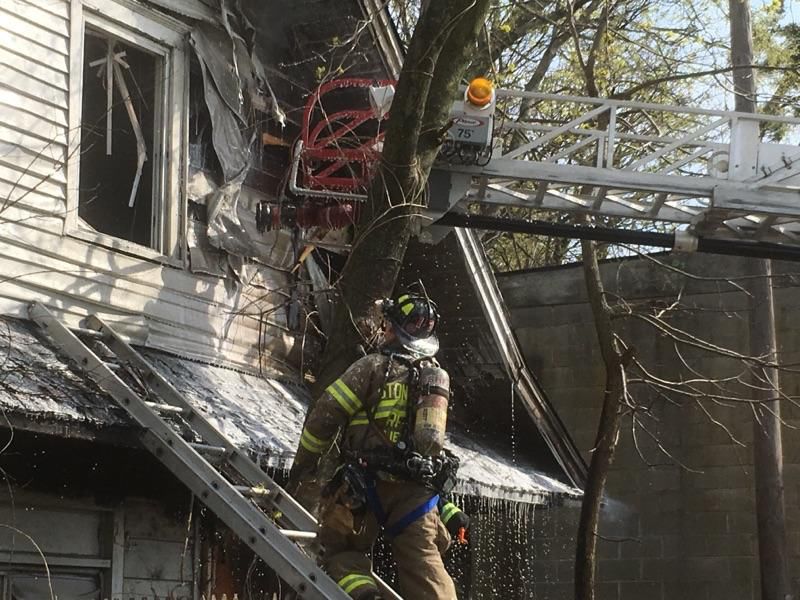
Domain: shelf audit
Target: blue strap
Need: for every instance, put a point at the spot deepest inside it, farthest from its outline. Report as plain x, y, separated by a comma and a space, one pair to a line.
374, 503
423, 509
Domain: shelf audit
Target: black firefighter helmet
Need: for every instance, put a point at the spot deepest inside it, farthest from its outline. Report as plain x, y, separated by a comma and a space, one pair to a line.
414, 318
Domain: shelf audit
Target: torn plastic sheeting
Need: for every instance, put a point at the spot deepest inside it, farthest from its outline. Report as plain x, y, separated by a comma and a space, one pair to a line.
215, 48
230, 136
274, 249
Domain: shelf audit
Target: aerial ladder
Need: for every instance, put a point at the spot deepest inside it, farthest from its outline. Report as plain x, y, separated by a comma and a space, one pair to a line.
693, 179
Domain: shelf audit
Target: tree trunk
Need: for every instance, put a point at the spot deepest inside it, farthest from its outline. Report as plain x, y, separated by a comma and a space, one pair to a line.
607, 430
434, 66
767, 444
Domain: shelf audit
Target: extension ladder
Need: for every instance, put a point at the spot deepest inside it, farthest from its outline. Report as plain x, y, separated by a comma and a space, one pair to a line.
236, 490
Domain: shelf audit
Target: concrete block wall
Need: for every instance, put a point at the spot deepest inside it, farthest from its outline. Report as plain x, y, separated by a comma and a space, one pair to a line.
679, 521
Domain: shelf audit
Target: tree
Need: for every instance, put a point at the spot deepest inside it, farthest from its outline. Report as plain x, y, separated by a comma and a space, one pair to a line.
767, 447
437, 56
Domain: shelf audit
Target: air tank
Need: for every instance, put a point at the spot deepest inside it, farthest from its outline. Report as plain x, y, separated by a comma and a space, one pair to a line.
430, 420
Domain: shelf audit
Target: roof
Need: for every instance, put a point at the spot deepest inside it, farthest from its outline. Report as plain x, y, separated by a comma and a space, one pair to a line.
40, 391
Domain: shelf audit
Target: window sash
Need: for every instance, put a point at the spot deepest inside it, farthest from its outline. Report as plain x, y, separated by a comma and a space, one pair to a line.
166, 38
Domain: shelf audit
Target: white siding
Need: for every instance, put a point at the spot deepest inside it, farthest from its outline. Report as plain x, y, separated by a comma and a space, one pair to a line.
154, 302
34, 56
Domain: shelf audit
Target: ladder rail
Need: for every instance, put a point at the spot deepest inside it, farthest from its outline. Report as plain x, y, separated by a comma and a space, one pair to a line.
206, 482
292, 510
227, 500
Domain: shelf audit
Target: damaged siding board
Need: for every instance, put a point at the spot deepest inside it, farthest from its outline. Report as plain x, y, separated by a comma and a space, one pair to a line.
42, 138
9, 99
44, 19
56, 8
28, 29
35, 52
31, 87
34, 45
158, 552
38, 165
22, 180
45, 74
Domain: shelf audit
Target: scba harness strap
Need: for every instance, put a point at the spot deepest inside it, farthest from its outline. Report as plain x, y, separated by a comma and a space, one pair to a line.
399, 526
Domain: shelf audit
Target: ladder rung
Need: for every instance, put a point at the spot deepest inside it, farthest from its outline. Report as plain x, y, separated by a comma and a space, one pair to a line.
166, 408
252, 492
88, 333
205, 448
294, 534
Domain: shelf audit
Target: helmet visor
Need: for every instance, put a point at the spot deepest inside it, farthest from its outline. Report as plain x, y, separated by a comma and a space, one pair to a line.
420, 347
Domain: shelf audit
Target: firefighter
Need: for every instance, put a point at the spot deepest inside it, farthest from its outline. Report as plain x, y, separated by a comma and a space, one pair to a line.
390, 409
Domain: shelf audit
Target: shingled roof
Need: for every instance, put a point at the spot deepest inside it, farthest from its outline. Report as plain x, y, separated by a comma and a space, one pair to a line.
40, 391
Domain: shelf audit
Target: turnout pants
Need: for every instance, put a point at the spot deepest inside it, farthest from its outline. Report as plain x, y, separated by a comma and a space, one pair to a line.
347, 541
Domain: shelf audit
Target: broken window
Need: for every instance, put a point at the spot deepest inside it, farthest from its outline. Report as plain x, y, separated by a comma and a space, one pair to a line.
121, 191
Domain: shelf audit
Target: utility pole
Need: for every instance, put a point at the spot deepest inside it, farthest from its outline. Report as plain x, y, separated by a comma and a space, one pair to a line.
767, 445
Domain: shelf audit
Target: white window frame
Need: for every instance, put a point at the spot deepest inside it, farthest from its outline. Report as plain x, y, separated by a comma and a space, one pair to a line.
168, 39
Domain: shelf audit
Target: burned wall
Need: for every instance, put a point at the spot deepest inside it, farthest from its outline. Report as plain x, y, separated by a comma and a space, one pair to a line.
679, 520
92, 521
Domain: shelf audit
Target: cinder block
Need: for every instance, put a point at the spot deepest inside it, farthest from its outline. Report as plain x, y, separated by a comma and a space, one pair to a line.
707, 569
743, 570
645, 547
685, 591
742, 499
553, 548
655, 523
672, 546
607, 591
726, 590
713, 478
619, 519
741, 522
544, 522
566, 571
619, 570
657, 479
554, 591
545, 571
640, 590
697, 523
662, 569
742, 545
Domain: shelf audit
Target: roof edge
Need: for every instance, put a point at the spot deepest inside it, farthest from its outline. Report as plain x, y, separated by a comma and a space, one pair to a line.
535, 400
382, 28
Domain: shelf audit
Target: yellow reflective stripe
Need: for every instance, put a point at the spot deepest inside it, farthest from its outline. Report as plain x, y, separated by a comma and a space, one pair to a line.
405, 308
449, 511
384, 414
312, 443
344, 396
352, 582
392, 402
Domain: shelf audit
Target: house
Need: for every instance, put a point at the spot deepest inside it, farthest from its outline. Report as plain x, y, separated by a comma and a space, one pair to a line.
136, 141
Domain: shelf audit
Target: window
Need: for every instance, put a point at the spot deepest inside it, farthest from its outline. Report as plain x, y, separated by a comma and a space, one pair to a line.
129, 163
120, 190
